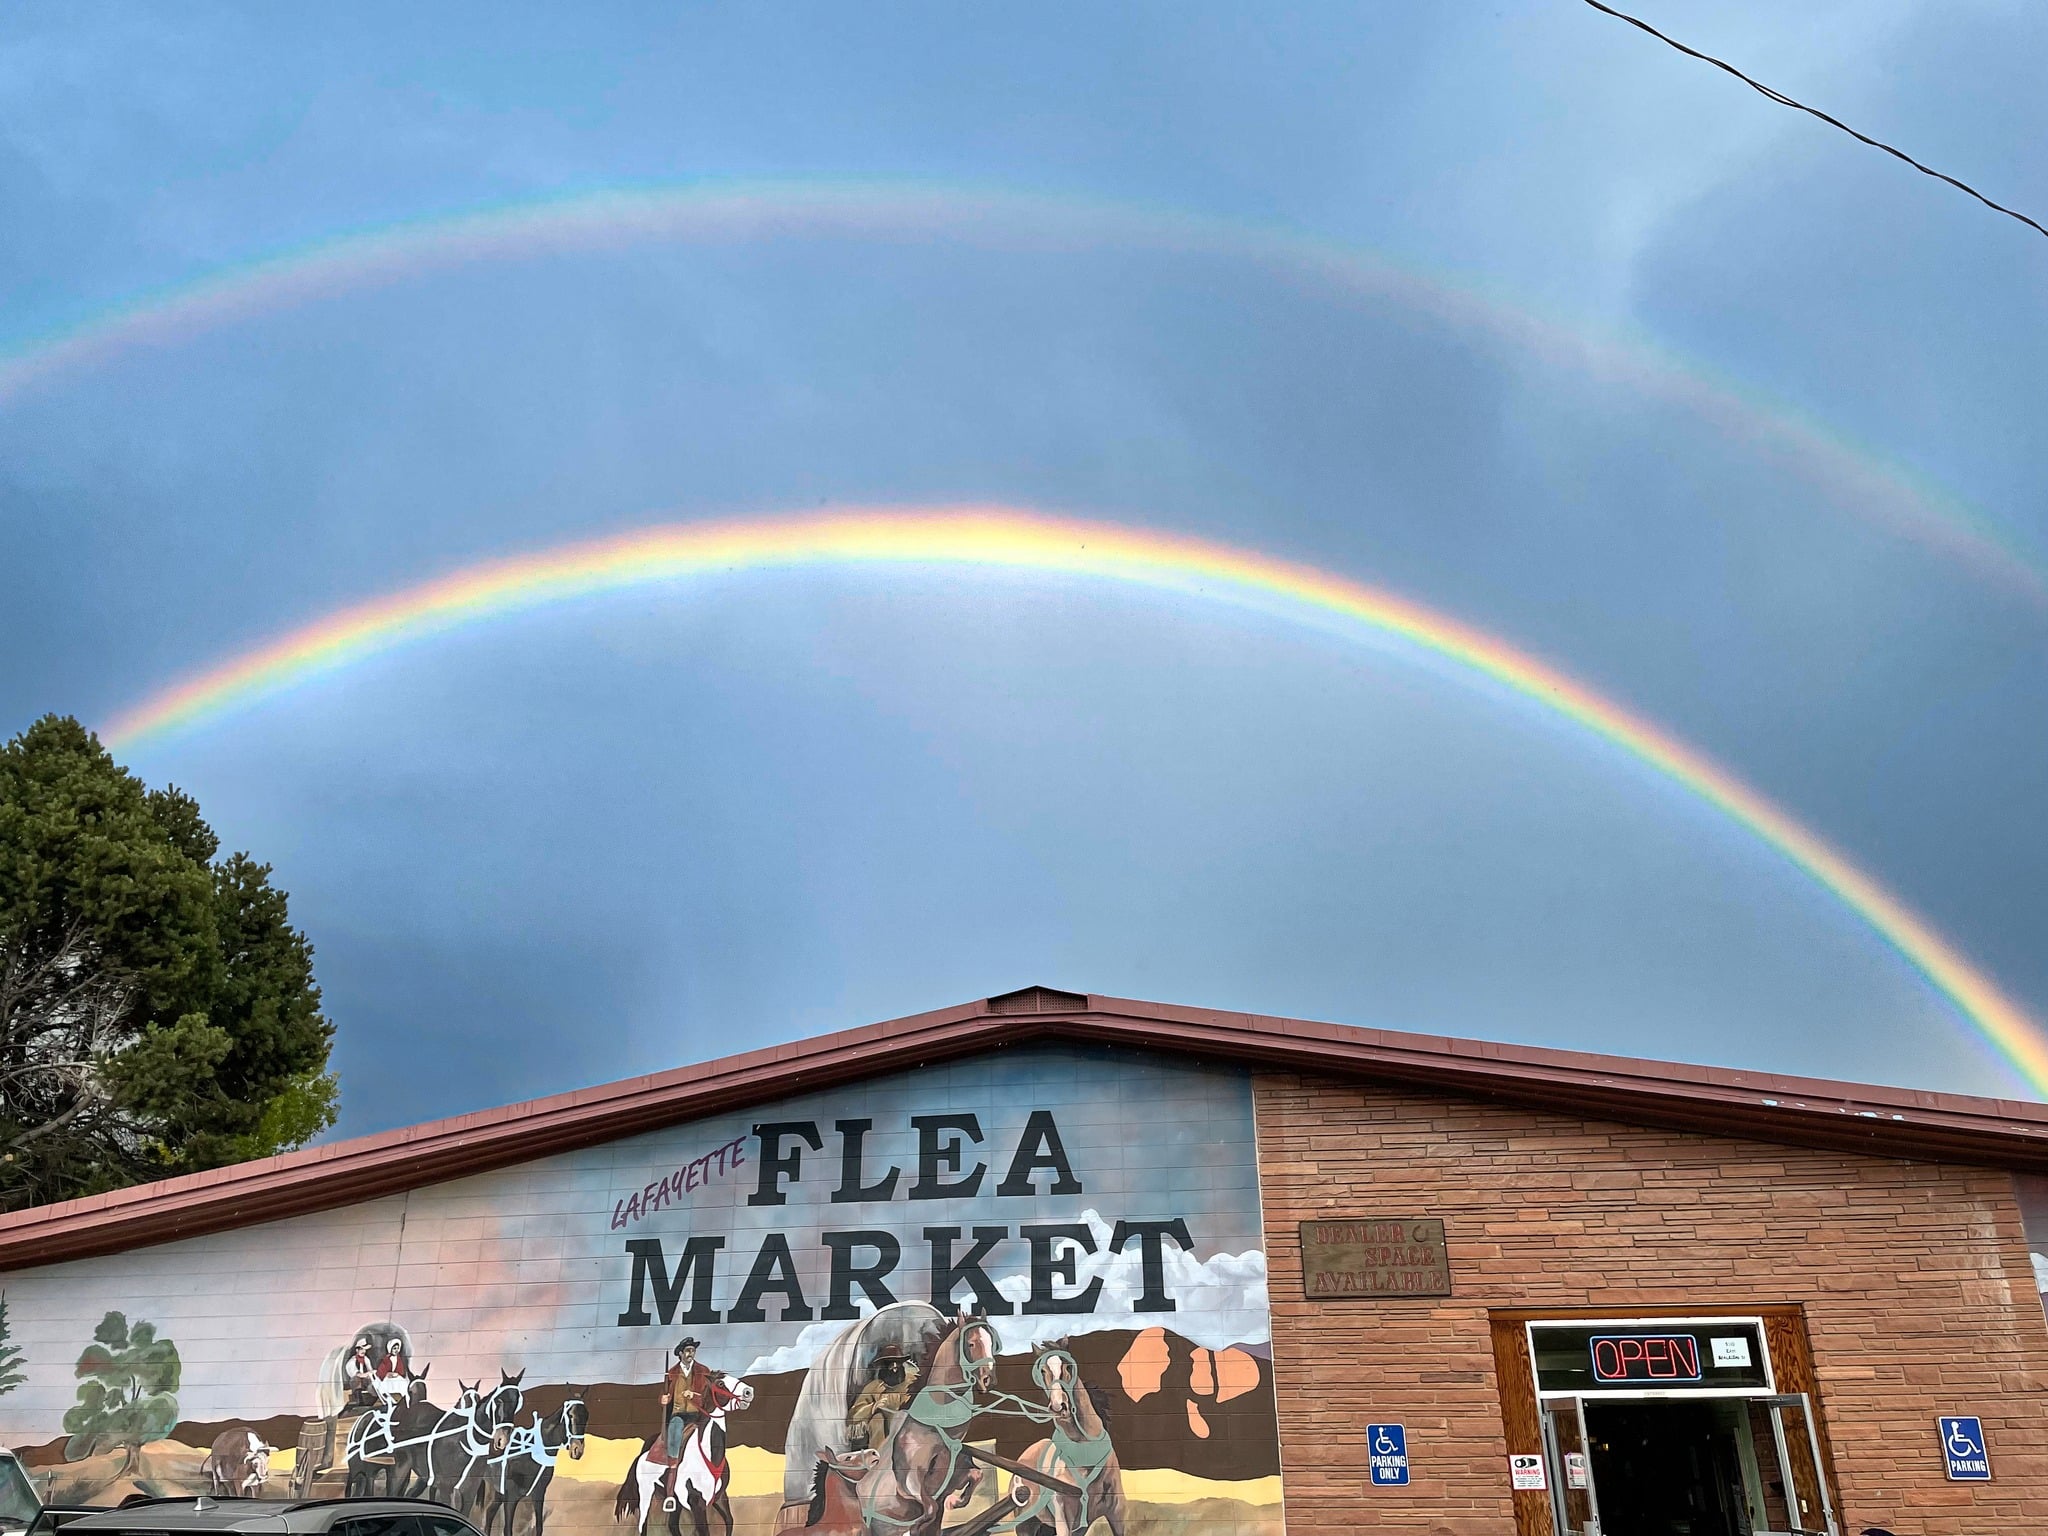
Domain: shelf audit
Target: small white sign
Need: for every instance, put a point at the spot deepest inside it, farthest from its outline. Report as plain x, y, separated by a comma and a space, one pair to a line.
1731, 1351
1575, 1469
1526, 1472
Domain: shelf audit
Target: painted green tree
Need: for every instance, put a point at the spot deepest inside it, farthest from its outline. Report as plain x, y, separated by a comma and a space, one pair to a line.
127, 1391
10, 1352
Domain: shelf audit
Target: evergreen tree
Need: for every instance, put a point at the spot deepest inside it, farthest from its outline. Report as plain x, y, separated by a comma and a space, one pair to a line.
157, 1010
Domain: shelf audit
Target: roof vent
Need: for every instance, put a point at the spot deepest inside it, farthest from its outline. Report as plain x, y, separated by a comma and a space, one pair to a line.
1038, 1000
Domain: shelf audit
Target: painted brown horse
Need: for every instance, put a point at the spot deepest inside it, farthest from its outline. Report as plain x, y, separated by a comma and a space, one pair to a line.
1077, 1452
238, 1465
926, 1469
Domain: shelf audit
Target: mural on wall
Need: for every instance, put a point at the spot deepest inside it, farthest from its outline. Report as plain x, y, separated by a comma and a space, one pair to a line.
2033, 1195
10, 1352
1024, 1293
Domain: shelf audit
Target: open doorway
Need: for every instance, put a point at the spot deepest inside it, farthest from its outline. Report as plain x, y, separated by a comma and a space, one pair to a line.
1675, 1469
1674, 1427
1662, 1466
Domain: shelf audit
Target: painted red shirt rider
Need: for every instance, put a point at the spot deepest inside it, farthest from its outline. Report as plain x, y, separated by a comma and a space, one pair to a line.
684, 1392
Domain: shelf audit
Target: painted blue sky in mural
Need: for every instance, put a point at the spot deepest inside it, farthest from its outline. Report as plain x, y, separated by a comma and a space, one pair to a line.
633, 833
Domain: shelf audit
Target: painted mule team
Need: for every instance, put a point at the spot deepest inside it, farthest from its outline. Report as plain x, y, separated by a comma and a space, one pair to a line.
901, 1481
474, 1454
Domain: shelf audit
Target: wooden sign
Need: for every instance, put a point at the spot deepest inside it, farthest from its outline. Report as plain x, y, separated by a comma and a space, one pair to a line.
1373, 1256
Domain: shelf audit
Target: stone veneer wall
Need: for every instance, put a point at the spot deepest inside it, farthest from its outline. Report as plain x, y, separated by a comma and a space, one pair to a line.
1913, 1279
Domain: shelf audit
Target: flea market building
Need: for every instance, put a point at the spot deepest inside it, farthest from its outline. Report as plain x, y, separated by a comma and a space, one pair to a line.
1059, 1263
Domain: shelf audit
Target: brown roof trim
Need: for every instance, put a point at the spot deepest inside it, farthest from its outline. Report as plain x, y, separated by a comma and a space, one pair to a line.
1882, 1122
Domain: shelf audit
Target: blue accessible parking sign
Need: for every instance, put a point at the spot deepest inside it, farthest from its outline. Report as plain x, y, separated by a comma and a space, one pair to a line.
1386, 1447
1962, 1442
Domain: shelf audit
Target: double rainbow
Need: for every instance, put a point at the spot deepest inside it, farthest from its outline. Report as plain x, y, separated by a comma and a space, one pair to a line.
1854, 478
1001, 537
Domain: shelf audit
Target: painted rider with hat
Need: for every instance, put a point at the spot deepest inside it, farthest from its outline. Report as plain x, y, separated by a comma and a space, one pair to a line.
361, 1373
887, 1394
684, 1392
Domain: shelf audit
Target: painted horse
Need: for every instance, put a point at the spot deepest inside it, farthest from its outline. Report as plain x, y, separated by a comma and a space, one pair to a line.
925, 1469
904, 1330
393, 1438
414, 1429
419, 1428
522, 1471
378, 1439
702, 1474
456, 1461
1077, 1452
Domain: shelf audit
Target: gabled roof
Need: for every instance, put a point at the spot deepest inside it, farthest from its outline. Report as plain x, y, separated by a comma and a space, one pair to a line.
1813, 1112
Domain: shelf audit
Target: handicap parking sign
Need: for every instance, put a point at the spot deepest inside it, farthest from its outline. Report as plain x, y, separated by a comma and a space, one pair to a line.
1962, 1442
1386, 1452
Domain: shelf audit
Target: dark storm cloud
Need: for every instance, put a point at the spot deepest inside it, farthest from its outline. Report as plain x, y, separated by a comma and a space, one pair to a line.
612, 838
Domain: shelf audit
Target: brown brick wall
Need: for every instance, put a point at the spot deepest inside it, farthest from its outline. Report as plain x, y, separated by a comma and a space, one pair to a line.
1913, 1279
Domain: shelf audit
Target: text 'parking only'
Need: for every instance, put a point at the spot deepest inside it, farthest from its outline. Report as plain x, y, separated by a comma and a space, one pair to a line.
1386, 1450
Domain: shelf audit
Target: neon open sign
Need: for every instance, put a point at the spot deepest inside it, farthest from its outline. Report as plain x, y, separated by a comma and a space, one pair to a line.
1645, 1357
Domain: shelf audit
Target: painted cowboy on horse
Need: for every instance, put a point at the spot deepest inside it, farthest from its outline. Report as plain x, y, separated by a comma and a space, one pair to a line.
887, 1393
685, 1400
929, 1464
697, 1480
923, 1468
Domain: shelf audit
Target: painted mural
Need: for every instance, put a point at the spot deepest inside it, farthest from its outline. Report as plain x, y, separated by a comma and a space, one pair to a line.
2033, 1197
1023, 1293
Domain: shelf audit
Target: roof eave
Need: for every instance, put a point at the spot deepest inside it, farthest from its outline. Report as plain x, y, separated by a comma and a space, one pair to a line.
1807, 1112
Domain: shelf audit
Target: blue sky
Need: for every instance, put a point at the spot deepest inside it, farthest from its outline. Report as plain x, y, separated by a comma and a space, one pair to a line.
628, 834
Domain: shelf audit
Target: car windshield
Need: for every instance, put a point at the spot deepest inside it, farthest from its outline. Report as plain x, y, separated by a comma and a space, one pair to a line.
19, 1505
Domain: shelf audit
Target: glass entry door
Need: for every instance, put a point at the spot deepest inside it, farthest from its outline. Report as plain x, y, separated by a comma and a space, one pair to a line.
1685, 1466
1809, 1505
1571, 1474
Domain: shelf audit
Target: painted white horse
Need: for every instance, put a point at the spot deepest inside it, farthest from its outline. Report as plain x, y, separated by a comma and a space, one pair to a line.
701, 1473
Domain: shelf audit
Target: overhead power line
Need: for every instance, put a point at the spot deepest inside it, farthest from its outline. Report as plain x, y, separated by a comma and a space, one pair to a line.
1834, 122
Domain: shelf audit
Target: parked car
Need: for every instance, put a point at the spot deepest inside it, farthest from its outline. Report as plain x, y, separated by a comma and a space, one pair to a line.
56, 1516
19, 1505
271, 1517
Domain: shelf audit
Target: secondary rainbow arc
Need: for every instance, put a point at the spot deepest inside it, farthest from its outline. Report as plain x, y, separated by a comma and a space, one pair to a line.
1003, 537
1853, 476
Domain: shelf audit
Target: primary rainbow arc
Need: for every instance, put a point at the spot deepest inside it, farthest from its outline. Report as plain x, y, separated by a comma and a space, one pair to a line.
1001, 537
